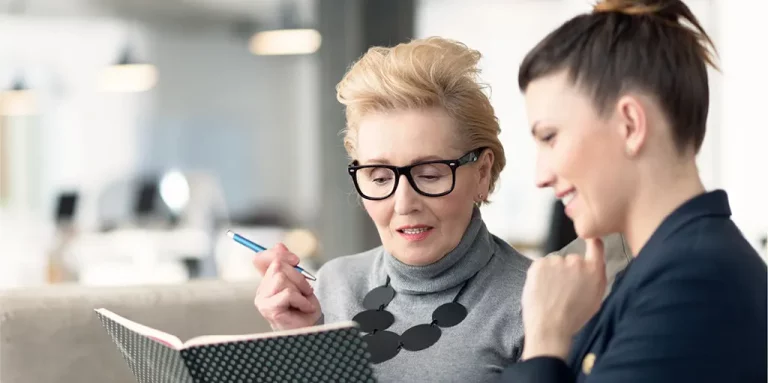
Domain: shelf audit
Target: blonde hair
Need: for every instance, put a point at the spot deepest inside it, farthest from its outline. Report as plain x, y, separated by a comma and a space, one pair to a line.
421, 74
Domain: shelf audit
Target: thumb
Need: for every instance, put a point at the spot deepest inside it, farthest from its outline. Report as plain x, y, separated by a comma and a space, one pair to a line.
595, 251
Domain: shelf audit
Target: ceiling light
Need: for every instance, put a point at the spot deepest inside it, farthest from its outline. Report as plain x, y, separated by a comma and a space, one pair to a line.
128, 75
285, 42
18, 101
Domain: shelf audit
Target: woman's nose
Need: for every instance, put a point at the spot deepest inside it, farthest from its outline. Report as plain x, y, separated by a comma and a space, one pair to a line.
545, 177
406, 198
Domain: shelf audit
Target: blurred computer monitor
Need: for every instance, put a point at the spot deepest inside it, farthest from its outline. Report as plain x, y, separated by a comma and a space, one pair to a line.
66, 207
146, 199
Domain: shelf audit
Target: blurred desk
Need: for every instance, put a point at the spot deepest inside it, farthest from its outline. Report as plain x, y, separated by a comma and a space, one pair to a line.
24, 243
136, 256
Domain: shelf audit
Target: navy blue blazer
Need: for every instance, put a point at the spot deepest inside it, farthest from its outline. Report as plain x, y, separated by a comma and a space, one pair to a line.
691, 307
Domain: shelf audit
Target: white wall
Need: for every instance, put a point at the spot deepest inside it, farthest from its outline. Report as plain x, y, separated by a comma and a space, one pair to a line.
743, 155
81, 136
504, 31
248, 119
251, 120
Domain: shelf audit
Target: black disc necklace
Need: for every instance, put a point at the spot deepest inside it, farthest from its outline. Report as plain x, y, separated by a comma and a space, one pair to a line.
375, 320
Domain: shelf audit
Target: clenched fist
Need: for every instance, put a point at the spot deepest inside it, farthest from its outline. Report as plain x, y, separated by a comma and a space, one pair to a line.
560, 295
284, 297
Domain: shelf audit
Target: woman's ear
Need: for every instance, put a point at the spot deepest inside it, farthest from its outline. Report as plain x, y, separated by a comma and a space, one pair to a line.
633, 127
485, 165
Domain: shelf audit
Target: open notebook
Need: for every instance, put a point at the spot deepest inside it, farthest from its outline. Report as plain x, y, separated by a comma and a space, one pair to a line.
327, 353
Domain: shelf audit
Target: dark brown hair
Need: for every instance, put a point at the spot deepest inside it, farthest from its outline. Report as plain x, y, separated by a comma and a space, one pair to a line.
634, 45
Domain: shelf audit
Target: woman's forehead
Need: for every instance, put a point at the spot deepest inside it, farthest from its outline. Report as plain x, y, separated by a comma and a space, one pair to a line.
405, 136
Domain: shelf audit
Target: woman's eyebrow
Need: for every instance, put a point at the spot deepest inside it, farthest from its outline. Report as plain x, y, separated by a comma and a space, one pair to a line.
382, 161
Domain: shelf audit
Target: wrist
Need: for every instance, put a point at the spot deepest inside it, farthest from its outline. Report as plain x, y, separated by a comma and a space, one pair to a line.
537, 345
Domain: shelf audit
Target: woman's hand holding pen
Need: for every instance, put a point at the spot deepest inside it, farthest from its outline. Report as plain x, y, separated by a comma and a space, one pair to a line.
560, 295
284, 297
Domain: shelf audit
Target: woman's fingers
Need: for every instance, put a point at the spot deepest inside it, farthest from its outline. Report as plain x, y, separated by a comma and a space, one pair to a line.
289, 309
296, 279
284, 297
263, 259
280, 276
293, 299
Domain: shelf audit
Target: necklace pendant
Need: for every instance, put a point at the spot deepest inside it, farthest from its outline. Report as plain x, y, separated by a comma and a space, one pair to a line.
449, 314
382, 346
420, 337
374, 320
379, 297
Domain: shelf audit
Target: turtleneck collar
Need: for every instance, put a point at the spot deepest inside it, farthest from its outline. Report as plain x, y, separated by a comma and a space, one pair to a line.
469, 256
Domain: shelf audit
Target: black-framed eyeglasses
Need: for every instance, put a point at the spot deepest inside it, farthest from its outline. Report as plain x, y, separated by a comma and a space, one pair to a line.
430, 178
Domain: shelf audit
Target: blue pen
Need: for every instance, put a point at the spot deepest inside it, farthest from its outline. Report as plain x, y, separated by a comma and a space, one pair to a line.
257, 248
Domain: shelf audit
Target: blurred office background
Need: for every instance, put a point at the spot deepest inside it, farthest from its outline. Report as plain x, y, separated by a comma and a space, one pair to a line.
134, 133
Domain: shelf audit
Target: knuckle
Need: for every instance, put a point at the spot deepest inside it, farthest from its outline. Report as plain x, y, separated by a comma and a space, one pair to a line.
287, 257
556, 260
535, 267
263, 309
573, 259
290, 291
275, 263
260, 293
550, 262
281, 297
279, 279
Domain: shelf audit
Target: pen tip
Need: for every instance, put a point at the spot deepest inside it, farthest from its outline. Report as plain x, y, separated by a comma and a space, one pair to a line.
230, 234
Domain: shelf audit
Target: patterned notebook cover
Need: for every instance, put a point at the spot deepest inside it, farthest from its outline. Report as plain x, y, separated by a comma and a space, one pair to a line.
329, 353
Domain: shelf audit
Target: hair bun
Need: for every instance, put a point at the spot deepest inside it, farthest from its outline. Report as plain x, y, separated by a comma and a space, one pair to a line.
667, 9
670, 12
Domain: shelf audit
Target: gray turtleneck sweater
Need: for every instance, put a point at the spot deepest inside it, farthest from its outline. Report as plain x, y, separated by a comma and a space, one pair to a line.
475, 350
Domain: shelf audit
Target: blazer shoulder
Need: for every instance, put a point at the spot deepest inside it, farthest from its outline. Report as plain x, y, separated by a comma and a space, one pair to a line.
710, 242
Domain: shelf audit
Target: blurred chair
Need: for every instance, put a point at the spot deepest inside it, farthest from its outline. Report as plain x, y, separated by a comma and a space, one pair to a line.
117, 202
195, 201
205, 207
561, 230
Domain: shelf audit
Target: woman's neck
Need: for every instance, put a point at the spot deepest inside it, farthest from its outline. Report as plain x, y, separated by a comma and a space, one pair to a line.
661, 193
471, 254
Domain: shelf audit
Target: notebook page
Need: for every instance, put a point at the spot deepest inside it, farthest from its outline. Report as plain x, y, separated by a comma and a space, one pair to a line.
157, 335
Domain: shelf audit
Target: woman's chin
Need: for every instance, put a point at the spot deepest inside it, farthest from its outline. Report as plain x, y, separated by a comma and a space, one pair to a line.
590, 231
586, 229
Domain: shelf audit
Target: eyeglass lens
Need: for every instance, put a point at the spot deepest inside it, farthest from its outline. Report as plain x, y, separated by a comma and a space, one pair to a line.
379, 182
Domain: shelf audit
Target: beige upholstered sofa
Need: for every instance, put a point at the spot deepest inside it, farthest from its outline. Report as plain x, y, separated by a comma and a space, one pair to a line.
51, 334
